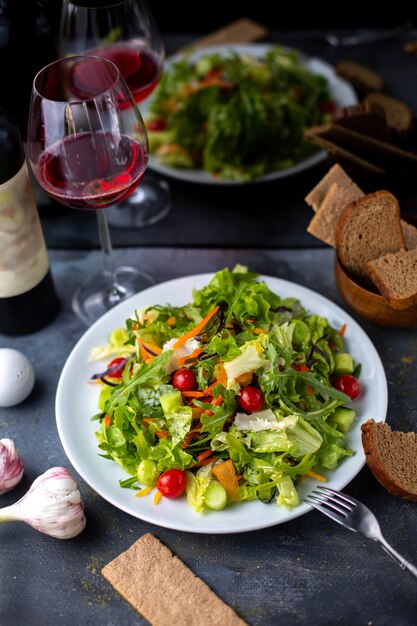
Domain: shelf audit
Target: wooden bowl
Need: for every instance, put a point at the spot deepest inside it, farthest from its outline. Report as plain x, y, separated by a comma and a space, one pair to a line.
371, 305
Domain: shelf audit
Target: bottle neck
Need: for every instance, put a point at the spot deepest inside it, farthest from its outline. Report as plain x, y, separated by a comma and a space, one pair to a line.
12, 154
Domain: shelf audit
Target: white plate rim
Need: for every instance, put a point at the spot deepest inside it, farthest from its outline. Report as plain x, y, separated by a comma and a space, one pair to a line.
338, 86
76, 402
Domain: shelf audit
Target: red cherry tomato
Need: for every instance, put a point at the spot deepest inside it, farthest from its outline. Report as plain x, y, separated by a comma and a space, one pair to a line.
156, 124
171, 483
251, 399
184, 380
116, 373
347, 384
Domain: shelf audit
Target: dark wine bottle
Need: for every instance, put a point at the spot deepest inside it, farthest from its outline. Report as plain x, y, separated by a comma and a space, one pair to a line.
28, 299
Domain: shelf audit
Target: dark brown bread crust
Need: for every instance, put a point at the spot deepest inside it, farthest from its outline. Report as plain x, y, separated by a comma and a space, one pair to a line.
375, 462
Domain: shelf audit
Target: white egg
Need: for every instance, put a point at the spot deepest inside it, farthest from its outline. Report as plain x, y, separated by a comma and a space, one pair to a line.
16, 377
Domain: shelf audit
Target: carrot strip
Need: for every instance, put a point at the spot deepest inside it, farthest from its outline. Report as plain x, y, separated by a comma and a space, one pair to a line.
226, 475
204, 455
316, 476
144, 492
221, 375
342, 329
107, 421
189, 357
148, 350
210, 459
157, 497
193, 394
208, 391
194, 331
171, 320
187, 440
217, 401
310, 391
161, 434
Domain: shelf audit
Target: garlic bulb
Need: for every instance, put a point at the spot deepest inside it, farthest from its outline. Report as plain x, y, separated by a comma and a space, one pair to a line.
52, 505
11, 466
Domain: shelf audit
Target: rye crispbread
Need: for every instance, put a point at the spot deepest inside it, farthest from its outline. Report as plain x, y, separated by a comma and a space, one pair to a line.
164, 590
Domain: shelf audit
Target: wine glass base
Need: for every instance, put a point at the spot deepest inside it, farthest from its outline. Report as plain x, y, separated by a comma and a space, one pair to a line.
97, 295
147, 205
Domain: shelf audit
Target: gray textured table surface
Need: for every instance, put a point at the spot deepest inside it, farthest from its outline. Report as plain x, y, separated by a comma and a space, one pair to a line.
308, 571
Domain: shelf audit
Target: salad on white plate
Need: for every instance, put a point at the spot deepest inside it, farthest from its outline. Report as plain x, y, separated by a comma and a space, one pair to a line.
238, 395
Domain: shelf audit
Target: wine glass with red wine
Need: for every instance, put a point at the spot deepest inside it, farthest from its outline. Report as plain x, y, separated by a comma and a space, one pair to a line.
88, 149
124, 32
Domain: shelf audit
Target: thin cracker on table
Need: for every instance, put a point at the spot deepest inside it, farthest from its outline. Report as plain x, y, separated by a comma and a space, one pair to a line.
164, 590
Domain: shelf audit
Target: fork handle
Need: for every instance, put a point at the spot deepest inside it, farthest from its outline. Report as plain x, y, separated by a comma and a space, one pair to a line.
400, 560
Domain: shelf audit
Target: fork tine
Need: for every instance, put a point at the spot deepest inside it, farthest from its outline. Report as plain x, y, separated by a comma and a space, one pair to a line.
330, 504
336, 517
324, 497
339, 495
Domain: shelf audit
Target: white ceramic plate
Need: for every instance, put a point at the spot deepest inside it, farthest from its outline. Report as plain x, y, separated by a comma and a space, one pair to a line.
76, 402
341, 91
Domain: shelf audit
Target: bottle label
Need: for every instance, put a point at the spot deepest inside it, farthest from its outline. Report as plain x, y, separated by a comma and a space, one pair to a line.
23, 255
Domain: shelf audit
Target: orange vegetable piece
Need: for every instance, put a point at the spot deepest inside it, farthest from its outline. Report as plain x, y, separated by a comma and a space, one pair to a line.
226, 475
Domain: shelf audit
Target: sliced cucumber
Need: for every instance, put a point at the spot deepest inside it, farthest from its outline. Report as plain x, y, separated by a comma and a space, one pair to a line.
342, 418
215, 497
343, 364
170, 401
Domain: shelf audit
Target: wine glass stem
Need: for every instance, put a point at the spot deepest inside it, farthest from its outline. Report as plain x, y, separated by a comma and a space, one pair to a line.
115, 292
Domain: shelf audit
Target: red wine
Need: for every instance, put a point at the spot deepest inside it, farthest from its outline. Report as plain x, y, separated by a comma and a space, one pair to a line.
140, 68
91, 170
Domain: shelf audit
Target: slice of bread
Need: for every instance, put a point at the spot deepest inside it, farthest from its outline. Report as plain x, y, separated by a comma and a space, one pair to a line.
392, 458
395, 275
367, 229
366, 118
410, 235
324, 222
380, 153
163, 589
362, 77
336, 174
340, 154
398, 114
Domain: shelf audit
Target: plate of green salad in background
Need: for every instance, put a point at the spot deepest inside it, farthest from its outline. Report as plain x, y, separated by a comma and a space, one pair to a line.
214, 403
237, 114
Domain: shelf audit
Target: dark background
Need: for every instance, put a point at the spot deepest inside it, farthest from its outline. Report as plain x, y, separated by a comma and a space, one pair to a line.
28, 33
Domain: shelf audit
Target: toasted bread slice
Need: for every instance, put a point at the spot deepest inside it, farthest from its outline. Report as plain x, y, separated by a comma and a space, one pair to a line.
395, 275
342, 155
380, 153
367, 229
410, 235
337, 175
392, 458
324, 222
362, 77
398, 114
366, 118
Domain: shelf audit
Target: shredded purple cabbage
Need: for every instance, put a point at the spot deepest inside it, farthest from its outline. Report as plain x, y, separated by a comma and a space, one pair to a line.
110, 370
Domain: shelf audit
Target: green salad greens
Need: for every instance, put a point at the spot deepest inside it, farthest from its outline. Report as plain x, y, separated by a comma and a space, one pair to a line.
231, 397
236, 116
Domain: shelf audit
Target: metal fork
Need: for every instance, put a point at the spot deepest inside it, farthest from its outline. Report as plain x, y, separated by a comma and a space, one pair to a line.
367, 36
355, 516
